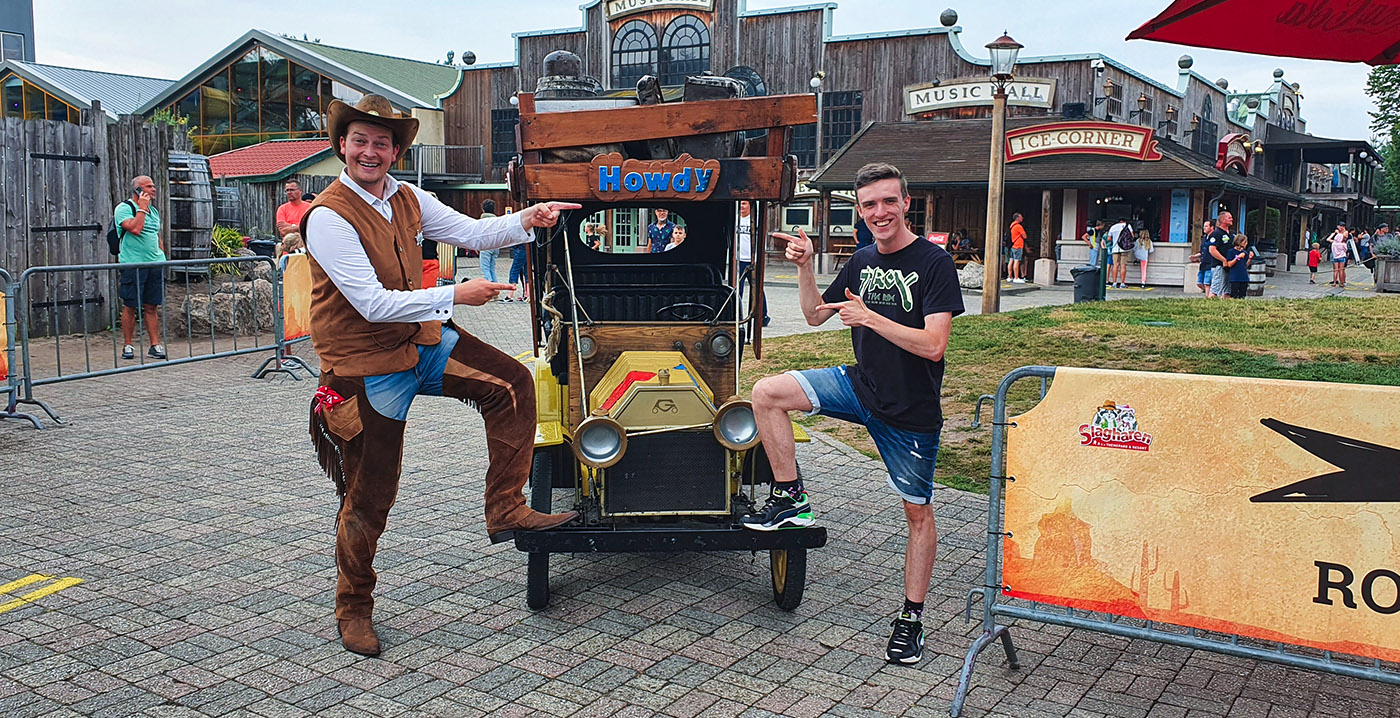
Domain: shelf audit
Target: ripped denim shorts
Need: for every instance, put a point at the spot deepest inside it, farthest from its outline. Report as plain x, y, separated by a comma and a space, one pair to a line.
908, 455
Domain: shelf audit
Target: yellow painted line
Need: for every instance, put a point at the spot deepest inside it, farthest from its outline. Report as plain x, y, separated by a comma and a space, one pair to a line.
33, 596
21, 583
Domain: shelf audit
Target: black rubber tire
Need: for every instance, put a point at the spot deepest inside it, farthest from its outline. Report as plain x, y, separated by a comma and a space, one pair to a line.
537, 564
788, 568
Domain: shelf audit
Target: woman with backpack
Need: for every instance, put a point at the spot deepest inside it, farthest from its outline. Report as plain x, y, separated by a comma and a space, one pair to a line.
1123, 242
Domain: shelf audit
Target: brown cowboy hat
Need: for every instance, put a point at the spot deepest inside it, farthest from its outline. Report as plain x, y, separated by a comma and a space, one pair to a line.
370, 108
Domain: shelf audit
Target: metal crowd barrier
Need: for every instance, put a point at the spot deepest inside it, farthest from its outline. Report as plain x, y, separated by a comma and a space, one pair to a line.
97, 309
996, 605
11, 388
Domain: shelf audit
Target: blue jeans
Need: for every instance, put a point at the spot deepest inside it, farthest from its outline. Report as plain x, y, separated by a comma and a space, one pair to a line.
517, 262
392, 394
909, 456
488, 263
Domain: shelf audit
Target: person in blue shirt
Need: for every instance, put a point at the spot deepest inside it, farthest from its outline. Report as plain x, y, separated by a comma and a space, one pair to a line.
659, 234
1237, 261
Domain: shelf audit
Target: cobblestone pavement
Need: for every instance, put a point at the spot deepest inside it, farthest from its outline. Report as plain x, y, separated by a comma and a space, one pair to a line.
187, 501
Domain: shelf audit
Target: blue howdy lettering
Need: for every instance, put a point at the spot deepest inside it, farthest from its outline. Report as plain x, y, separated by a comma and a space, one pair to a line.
688, 179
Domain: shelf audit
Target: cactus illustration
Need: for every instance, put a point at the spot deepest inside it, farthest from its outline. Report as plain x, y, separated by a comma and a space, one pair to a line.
1180, 600
1142, 577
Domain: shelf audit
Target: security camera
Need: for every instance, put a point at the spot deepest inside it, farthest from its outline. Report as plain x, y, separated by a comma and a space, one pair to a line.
1097, 64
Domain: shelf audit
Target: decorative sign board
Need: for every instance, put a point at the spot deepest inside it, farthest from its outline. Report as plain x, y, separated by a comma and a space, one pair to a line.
614, 9
1081, 138
974, 91
613, 179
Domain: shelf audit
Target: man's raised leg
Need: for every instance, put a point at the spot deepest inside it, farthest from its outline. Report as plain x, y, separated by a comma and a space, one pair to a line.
773, 398
504, 391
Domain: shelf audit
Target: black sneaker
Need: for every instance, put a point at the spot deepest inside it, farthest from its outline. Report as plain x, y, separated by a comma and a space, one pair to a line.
906, 640
780, 512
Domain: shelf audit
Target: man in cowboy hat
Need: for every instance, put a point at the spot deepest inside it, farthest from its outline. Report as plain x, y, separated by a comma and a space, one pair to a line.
383, 339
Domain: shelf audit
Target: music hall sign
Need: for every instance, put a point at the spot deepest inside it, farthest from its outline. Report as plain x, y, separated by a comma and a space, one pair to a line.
975, 91
1082, 138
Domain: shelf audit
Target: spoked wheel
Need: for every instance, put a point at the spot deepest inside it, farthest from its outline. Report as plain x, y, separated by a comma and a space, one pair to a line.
537, 563
789, 569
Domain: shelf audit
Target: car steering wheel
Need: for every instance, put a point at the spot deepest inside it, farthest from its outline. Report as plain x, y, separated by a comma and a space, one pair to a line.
687, 312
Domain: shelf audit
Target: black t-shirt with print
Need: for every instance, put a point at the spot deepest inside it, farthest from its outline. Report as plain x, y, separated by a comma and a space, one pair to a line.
1221, 240
900, 388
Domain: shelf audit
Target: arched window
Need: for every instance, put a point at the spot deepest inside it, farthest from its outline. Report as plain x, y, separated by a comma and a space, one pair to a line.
633, 53
685, 49
753, 82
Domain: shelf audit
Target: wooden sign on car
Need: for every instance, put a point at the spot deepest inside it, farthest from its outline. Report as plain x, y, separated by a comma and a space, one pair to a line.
685, 178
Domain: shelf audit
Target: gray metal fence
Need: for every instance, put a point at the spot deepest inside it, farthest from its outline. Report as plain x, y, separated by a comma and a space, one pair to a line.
996, 605
210, 319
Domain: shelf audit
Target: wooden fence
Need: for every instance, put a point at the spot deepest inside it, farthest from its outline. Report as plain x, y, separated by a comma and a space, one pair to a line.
61, 182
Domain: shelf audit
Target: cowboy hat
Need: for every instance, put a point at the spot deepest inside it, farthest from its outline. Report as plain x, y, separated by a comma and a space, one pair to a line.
370, 108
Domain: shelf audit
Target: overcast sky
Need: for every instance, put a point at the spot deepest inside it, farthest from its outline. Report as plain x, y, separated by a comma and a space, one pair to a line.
170, 40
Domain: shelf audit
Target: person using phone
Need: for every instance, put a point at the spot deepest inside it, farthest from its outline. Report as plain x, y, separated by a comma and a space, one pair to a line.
143, 287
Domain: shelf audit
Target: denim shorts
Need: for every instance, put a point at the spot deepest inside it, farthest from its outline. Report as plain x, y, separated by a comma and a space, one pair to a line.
1203, 277
392, 394
909, 456
1217, 281
1016, 254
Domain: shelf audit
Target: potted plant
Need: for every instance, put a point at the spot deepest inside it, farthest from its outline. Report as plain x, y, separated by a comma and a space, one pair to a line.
1387, 269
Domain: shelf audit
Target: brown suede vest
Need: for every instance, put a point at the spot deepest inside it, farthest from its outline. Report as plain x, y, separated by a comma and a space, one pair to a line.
350, 345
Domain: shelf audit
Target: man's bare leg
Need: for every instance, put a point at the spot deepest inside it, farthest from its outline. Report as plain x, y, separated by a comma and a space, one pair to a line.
128, 323
921, 552
773, 398
152, 315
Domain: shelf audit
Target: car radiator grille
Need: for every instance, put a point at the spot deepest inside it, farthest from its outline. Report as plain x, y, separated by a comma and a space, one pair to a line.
678, 472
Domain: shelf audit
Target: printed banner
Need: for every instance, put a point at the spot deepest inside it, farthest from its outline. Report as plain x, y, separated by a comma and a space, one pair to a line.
1266, 508
296, 296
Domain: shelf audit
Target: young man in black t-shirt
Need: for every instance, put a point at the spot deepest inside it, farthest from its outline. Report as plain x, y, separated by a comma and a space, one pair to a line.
899, 297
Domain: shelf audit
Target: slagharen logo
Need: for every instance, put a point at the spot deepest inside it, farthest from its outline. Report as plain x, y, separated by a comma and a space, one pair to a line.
877, 278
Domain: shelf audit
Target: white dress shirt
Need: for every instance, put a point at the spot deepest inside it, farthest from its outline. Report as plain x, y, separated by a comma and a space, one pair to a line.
337, 248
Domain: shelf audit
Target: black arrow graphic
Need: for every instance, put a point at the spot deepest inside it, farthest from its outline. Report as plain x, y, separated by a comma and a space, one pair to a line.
1369, 472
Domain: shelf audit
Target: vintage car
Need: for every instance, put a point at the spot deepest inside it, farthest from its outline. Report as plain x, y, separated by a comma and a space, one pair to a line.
637, 358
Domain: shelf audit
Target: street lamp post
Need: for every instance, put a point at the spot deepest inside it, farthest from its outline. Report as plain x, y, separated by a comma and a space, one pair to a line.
1003, 51
819, 210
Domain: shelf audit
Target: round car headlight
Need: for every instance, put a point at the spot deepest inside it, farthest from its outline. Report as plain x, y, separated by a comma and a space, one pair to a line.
600, 442
735, 427
721, 344
587, 346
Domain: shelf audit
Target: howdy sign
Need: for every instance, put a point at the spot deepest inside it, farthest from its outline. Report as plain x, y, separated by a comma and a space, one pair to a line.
974, 91
1081, 138
1282, 526
621, 8
686, 178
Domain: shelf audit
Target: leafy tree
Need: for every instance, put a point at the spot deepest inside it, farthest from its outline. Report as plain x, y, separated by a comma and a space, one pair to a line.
1383, 87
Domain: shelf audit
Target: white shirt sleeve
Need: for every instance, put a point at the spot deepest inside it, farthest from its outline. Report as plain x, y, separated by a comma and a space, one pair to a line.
336, 247
444, 224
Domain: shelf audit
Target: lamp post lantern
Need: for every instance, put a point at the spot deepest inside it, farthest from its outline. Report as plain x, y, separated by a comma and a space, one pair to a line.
1003, 53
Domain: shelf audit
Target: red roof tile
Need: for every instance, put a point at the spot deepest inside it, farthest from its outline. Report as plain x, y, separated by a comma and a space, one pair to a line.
266, 158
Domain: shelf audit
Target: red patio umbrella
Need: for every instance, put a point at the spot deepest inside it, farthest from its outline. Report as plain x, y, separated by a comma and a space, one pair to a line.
1344, 30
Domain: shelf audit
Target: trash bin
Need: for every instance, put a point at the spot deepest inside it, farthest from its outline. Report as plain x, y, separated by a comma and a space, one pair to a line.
263, 247
1086, 283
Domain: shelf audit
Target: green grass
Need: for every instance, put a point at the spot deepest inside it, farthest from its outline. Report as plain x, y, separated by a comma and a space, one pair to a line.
1332, 339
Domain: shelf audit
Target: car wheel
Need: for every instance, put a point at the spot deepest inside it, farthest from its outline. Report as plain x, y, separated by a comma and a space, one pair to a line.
537, 563
789, 571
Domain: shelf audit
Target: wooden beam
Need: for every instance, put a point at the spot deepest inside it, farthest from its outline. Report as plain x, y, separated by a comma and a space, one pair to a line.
1047, 211
545, 130
752, 178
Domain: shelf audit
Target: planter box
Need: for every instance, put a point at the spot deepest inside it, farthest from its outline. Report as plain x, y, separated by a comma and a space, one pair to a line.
1387, 274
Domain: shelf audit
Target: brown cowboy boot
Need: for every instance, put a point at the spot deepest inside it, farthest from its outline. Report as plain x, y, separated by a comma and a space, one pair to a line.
358, 636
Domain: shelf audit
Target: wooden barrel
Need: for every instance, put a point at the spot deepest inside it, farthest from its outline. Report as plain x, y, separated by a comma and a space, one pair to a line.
191, 219
228, 209
1257, 272
1270, 262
